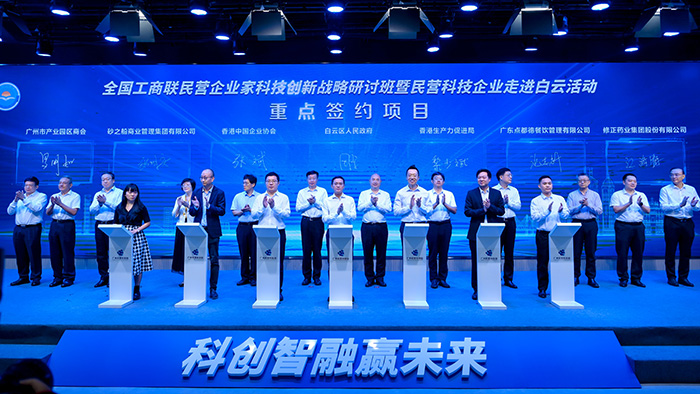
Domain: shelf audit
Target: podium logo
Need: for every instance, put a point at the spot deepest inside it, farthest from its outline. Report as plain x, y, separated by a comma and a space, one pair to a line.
415, 252
489, 252
268, 252
562, 252
9, 96
195, 252
120, 252
341, 253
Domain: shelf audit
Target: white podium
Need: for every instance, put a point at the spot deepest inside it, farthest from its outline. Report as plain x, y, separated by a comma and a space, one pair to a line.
561, 265
340, 266
488, 265
414, 266
121, 263
268, 267
196, 264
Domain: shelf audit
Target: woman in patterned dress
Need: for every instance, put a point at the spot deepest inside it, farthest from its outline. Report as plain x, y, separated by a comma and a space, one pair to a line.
134, 216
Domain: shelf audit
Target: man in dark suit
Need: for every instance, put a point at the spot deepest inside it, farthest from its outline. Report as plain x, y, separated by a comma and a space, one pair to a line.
483, 204
208, 203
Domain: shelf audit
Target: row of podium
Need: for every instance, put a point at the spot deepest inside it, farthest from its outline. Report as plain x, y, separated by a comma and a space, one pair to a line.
341, 266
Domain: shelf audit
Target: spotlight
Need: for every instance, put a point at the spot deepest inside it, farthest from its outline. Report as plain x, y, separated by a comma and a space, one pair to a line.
44, 47
336, 51
600, 5
531, 45
222, 30
433, 44
238, 48
562, 25
631, 45
140, 49
198, 7
469, 6
445, 30
111, 38
333, 35
60, 7
335, 6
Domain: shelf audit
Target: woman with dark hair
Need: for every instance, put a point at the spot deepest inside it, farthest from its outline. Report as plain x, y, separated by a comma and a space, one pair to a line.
134, 216
181, 211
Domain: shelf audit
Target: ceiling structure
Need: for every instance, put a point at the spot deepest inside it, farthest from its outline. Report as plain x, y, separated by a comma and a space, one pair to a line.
184, 38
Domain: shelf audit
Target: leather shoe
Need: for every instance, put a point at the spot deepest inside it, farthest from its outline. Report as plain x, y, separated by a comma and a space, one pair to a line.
213, 294
281, 297
638, 283
369, 283
623, 282
137, 293
434, 284
253, 282
593, 283
182, 284
380, 282
306, 282
242, 282
36, 282
673, 282
444, 284
317, 282
686, 282
509, 283
102, 282
19, 281
475, 296
576, 282
67, 283
542, 294
56, 282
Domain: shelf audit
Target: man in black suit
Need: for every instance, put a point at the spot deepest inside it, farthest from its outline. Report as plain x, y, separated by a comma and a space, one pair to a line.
208, 203
483, 204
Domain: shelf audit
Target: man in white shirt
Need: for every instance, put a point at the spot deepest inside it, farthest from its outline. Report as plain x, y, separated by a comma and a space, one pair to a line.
62, 208
442, 203
271, 209
410, 203
511, 199
678, 201
104, 202
585, 206
546, 210
310, 204
338, 208
28, 208
374, 204
245, 236
630, 206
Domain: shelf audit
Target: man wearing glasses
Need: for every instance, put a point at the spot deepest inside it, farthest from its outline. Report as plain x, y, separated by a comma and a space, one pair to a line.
584, 207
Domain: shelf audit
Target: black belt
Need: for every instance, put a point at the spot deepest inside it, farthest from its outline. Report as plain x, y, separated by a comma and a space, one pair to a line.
104, 221
542, 231
582, 220
29, 225
248, 223
681, 220
509, 219
63, 220
311, 219
630, 223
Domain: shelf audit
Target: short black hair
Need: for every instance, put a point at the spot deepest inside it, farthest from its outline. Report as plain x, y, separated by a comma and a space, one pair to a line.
437, 173
212, 172
677, 168
624, 177
191, 182
544, 177
272, 173
251, 178
502, 172
312, 172
110, 173
488, 173
583, 174
70, 180
32, 179
412, 167
337, 177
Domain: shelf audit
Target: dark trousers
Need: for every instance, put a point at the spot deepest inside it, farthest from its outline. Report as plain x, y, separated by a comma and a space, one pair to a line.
213, 246
542, 244
472, 248
439, 235
678, 233
311, 243
247, 249
62, 244
629, 236
586, 237
283, 244
27, 241
102, 249
508, 247
374, 235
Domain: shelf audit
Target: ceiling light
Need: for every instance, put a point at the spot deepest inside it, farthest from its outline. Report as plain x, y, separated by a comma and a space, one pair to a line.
60, 7
222, 32
335, 6
198, 7
140, 49
336, 50
665, 21
531, 45
111, 38
600, 5
469, 6
433, 44
631, 45
44, 47
333, 35
446, 30
562, 25
239, 48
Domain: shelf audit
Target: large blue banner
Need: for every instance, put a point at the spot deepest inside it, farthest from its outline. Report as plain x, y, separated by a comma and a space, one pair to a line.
155, 125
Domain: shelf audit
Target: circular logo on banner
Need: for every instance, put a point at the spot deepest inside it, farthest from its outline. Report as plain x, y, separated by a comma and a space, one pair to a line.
9, 96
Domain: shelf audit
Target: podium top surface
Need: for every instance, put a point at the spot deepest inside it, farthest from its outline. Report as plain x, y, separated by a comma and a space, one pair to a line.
490, 229
266, 231
340, 230
565, 229
115, 230
415, 230
190, 229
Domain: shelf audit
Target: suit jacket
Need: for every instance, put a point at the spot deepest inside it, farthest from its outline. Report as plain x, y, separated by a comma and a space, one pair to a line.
474, 208
217, 207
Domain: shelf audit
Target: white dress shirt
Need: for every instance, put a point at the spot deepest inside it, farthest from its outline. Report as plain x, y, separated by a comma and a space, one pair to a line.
306, 209
271, 216
71, 200
633, 213
513, 204
372, 213
583, 212
440, 213
330, 210
670, 199
105, 212
402, 205
239, 202
182, 213
542, 218
30, 210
